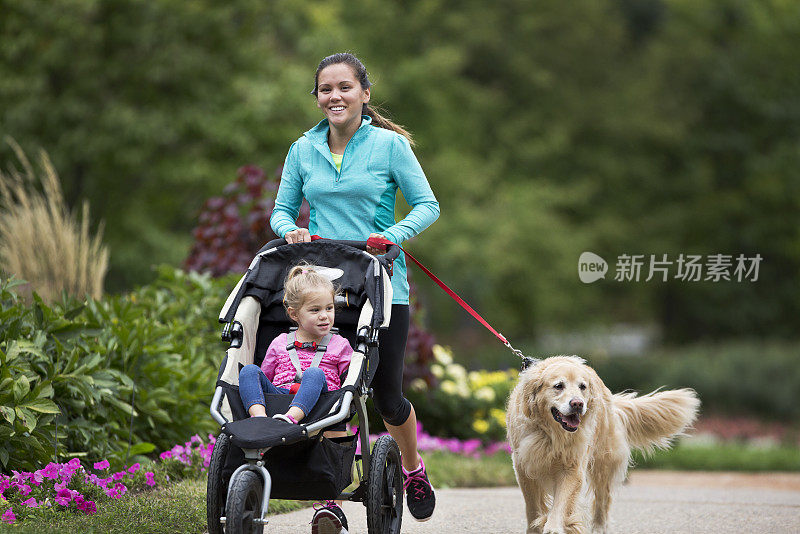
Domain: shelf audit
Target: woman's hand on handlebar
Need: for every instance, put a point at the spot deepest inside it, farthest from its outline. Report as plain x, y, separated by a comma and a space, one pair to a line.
301, 235
375, 251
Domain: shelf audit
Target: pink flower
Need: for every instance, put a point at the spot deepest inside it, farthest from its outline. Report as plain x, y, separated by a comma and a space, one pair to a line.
24, 489
9, 517
165, 455
50, 471
120, 488
64, 496
150, 479
135, 467
89, 507
118, 476
102, 465
31, 503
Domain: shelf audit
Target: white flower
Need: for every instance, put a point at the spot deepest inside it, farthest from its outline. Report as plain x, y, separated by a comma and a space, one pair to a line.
449, 387
442, 355
418, 384
437, 370
485, 393
457, 372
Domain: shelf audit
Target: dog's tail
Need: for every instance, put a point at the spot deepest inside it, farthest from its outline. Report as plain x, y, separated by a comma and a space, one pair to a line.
653, 420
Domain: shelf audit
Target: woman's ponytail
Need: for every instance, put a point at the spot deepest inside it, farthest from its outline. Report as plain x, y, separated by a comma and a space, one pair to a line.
382, 122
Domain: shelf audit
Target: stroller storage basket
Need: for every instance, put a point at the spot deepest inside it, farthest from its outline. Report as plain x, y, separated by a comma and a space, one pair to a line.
317, 469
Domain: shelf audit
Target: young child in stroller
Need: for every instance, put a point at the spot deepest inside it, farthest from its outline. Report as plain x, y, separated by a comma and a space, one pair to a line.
306, 362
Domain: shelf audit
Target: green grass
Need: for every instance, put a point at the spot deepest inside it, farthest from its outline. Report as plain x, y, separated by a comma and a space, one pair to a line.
723, 457
447, 470
177, 509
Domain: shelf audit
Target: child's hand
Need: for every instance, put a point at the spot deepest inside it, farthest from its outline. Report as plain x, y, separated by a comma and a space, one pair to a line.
301, 235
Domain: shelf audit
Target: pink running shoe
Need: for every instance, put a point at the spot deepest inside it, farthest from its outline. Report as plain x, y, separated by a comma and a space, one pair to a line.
420, 498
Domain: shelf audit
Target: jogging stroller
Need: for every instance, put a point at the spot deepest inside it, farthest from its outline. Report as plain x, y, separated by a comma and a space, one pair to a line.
259, 458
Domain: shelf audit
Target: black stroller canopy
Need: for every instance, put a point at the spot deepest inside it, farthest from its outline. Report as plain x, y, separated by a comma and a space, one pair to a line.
359, 279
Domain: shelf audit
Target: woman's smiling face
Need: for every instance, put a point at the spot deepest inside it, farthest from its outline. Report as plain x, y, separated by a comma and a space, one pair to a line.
340, 96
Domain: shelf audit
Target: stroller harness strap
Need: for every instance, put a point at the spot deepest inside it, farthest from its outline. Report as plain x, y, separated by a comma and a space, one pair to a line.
291, 348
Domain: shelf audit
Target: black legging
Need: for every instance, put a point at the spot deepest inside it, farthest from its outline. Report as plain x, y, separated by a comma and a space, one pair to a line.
387, 385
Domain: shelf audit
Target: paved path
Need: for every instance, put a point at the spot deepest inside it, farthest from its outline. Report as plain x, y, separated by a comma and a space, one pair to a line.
651, 503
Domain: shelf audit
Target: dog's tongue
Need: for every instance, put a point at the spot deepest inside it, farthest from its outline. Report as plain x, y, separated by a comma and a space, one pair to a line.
572, 420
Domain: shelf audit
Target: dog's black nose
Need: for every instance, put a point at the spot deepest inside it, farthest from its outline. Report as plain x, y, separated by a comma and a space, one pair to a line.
576, 405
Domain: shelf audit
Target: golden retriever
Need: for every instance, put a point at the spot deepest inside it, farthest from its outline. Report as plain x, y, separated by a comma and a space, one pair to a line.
571, 439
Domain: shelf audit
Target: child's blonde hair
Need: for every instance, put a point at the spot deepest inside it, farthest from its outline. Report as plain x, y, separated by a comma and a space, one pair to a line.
302, 280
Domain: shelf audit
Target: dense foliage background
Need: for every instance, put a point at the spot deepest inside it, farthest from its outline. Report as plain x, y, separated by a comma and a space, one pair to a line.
546, 129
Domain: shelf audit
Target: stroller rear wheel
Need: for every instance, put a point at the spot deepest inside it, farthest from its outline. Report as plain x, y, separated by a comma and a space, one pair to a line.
244, 504
384, 499
216, 488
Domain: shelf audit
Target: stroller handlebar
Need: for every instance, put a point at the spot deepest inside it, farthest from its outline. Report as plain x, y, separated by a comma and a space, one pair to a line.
392, 251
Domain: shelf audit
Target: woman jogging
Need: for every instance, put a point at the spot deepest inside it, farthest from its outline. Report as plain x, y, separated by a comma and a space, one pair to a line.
349, 168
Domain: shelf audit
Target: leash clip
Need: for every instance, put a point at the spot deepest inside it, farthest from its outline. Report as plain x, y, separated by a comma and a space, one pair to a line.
516, 352
526, 360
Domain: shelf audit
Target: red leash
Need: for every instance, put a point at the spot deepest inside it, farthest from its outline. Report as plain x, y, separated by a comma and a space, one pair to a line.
381, 243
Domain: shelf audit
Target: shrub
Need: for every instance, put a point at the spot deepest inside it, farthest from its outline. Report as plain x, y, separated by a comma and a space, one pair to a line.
462, 404
737, 378
41, 240
234, 226
94, 378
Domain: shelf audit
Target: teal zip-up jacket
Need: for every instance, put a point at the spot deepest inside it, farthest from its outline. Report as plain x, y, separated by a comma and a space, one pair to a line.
360, 199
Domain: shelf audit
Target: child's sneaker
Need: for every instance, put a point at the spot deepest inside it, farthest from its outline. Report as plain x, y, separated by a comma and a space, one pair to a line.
329, 519
420, 498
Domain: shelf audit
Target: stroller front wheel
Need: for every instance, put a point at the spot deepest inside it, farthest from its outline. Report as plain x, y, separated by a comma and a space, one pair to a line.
384, 499
244, 504
216, 488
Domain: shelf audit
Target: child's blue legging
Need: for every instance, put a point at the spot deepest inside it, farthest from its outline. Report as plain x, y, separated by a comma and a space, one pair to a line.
253, 384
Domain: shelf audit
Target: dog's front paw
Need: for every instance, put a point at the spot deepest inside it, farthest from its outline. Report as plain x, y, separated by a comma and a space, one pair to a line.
536, 526
553, 528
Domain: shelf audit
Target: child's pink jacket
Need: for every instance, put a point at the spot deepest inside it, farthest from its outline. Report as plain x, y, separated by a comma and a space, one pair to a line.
279, 369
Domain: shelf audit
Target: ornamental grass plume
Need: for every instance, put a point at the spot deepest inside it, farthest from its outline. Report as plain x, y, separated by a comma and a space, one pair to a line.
41, 240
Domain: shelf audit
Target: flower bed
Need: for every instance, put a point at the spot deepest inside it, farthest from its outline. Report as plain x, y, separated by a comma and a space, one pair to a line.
71, 487
473, 448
